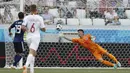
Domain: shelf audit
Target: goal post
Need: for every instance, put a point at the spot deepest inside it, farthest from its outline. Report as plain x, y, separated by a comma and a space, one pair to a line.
22, 3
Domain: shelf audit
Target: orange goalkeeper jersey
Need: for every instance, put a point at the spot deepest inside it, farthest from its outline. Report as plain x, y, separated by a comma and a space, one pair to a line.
86, 42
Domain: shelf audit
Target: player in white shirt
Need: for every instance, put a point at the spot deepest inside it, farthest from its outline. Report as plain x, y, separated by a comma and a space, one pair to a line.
111, 17
32, 24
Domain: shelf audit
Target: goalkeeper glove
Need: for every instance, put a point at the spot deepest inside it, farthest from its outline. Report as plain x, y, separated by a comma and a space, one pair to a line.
93, 38
61, 35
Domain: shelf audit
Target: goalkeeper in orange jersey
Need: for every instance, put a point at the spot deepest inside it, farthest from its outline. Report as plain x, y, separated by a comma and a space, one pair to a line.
87, 41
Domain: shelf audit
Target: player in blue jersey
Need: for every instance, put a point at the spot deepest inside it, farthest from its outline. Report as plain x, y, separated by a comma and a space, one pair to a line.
18, 39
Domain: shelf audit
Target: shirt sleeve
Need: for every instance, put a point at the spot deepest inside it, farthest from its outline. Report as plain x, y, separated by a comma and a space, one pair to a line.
13, 25
75, 40
89, 36
25, 21
42, 23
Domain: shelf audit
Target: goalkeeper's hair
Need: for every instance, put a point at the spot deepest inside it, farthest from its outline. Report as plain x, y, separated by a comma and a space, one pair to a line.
81, 30
21, 15
33, 8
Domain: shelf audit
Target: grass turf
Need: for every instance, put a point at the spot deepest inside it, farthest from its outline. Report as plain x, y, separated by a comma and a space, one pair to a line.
2, 70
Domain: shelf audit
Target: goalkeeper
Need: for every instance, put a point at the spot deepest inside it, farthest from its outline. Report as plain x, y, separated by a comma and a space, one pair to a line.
87, 42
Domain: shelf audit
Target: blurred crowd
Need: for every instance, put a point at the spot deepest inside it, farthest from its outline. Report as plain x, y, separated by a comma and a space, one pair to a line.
50, 9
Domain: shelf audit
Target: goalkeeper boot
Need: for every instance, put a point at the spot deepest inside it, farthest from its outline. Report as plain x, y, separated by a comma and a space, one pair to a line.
118, 64
115, 66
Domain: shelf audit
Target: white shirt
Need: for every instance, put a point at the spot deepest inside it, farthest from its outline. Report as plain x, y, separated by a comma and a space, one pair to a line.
33, 23
110, 16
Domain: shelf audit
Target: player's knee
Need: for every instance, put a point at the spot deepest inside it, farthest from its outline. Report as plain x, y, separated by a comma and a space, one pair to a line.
33, 52
107, 53
100, 60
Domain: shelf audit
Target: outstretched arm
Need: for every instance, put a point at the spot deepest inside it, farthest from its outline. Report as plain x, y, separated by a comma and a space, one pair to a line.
63, 36
74, 40
67, 38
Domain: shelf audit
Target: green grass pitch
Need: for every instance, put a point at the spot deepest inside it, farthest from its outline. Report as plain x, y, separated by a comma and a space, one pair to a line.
2, 70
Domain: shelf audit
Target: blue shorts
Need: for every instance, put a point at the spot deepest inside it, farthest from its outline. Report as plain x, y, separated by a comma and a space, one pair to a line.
18, 47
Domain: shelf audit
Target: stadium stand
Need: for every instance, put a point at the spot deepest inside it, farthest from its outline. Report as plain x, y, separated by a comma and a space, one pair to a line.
85, 21
72, 21
98, 22
127, 13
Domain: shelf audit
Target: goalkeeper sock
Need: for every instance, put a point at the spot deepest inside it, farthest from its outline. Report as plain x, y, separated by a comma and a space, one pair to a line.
113, 58
32, 65
107, 63
29, 59
16, 59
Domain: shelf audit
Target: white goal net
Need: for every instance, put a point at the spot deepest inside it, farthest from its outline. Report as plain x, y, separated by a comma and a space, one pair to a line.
69, 13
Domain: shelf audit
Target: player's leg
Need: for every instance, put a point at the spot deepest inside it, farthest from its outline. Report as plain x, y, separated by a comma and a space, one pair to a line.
32, 53
32, 66
113, 58
19, 52
29, 60
32, 62
34, 45
30, 57
103, 51
98, 57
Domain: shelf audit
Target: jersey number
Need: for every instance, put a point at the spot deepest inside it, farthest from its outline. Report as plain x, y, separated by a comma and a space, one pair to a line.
18, 29
32, 28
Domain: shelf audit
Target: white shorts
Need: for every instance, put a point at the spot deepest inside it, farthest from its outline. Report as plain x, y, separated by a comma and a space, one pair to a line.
33, 43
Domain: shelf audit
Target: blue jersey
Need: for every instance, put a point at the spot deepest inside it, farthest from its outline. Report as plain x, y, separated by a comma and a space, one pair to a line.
18, 32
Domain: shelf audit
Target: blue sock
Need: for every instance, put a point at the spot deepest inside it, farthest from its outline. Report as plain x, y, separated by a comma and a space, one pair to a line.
16, 59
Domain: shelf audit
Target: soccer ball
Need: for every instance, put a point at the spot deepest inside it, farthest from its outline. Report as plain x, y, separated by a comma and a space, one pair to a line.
58, 27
